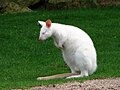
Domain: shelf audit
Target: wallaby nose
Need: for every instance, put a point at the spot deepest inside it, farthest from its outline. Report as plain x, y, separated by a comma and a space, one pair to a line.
39, 38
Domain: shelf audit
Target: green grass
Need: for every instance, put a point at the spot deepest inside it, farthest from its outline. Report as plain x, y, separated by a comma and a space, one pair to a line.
23, 57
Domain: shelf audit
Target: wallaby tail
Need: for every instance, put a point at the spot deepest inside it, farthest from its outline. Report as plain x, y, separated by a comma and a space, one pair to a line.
57, 76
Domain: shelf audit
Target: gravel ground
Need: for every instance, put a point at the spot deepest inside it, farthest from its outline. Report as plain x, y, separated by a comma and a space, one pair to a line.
98, 84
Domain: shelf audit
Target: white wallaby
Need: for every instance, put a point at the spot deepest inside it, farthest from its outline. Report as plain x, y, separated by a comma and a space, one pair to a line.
77, 48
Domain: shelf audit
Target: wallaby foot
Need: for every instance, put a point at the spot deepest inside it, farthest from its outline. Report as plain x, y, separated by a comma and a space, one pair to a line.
75, 76
83, 73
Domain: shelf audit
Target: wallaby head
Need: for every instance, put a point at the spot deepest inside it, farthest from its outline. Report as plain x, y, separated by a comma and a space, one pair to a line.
46, 30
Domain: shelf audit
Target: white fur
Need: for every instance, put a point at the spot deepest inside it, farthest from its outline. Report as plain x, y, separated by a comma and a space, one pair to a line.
77, 47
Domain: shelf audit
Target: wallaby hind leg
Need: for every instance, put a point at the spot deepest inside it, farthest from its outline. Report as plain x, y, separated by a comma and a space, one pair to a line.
65, 75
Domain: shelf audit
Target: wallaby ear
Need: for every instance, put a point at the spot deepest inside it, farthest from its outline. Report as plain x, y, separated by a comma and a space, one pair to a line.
41, 23
48, 23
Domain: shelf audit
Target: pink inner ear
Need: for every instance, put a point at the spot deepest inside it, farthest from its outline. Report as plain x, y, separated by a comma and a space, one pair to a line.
48, 23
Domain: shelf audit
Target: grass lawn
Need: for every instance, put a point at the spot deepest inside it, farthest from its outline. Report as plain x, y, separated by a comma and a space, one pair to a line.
23, 57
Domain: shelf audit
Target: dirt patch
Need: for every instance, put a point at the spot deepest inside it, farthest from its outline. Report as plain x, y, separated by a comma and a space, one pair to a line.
109, 2
98, 84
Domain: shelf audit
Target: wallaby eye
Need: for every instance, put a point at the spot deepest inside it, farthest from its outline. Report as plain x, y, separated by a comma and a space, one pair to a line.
43, 33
